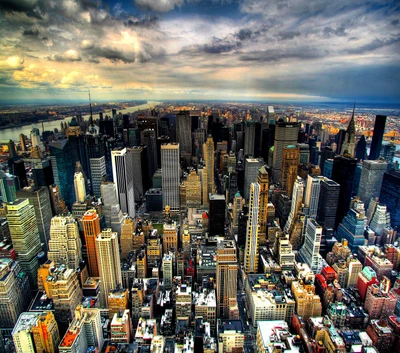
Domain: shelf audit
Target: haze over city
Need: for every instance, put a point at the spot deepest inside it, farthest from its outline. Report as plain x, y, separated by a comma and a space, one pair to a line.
190, 49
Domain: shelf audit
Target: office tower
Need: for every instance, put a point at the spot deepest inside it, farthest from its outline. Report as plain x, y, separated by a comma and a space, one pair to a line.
326, 153
184, 135
122, 168
160, 141
65, 244
8, 186
208, 155
343, 173
170, 168
390, 195
98, 172
308, 303
377, 137
251, 168
328, 167
15, 294
304, 153
121, 327
39, 197
361, 149
312, 194
217, 215
141, 177
62, 286
63, 165
366, 278
91, 229
108, 258
328, 204
111, 209
252, 237
36, 332
118, 300
226, 281
290, 162
84, 331
126, 239
250, 136
17, 168
77, 145
371, 180
167, 263
35, 138
263, 181
25, 237
148, 138
80, 187
170, 237
58, 205
354, 268
297, 200
286, 134
348, 146
352, 227
199, 140
380, 219
141, 264
356, 179
309, 253
190, 191
388, 153
42, 173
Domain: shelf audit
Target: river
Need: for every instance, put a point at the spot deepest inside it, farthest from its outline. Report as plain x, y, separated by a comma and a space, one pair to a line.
13, 133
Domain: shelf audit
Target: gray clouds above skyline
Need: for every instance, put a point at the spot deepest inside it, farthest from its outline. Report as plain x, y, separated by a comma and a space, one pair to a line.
171, 48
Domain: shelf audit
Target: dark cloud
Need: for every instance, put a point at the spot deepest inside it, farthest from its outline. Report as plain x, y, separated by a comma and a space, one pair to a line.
158, 6
244, 34
375, 44
288, 35
395, 22
148, 21
338, 31
17, 5
34, 32
68, 56
112, 54
280, 54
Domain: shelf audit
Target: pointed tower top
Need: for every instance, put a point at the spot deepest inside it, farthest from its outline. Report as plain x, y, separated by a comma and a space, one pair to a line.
351, 129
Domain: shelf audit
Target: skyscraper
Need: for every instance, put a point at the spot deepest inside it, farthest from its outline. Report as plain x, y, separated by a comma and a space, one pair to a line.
122, 168
286, 133
379, 130
25, 237
344, 168
108, 258
8, 186
141, 177
263, 181
170, 168
64, 244
290, 163
297, 199
251, 168
126, 239
312, 194
390, 195
253, 228
80, 187
91, 229
349, 140
226, 281
98, 172
184, 135
371, 180
111, 209
217, 215
309, 252
328, 204
208, 155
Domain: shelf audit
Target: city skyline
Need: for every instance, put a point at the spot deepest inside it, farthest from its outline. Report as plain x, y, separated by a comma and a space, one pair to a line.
187, 49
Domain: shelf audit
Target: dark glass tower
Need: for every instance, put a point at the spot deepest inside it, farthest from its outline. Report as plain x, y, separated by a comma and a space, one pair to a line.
376, 143
390, 196
343, 172
328, 204
217, 215
361, 149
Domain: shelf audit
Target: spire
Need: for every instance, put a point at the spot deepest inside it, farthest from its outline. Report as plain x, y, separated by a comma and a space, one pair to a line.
351, 129
91, 113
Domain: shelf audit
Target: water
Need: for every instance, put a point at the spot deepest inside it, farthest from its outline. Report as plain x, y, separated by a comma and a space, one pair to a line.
13, 133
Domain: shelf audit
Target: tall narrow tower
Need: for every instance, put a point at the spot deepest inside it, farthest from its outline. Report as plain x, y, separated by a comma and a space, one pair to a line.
227, 268
91, 229
170, 169
109, 261
80, 187
253, 228
309, 253
208, 153
349, 140
379, 130
290, 163
263, 181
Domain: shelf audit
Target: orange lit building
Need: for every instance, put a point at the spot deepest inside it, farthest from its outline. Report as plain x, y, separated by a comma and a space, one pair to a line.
91, 229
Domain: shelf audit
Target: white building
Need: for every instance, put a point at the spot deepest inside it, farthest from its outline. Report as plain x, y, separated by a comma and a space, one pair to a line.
80, 187
309, 252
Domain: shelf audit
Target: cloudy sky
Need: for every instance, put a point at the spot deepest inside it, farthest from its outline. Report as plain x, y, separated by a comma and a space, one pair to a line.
200, 49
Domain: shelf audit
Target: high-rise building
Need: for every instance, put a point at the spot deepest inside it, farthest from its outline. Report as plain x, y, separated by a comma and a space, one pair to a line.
126, 239
65, 243
311, 197
108, 258
352, 227
208, 155
25, 237
379, 130
141, 177
121, 327
297, 200
8, 186
307, 302
167, 264
309, 253
84, 331
39, 197
118, 300
217, 215
111, 209
148, 138
344, 168
390, 196
170, 237
190, 191
361, 149
226, 281
380, 219
328, 204
290, 163
42, 173
36, 332
349, 140
184, 135
286, 133
80, 187
170, 168
58, 205
252, 237
252, 136
91, 229
98, 172
15, 294
122, 167
251, 168
263, 181
371, 180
